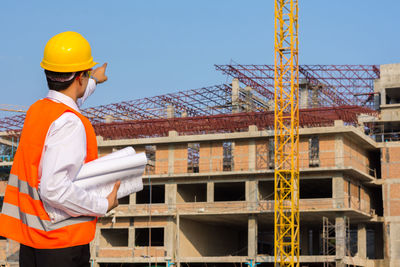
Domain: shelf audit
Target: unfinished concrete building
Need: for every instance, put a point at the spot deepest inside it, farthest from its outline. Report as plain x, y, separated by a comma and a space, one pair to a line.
208, 194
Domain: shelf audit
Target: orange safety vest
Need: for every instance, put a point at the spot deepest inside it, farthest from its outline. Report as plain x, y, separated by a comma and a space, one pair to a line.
23, 217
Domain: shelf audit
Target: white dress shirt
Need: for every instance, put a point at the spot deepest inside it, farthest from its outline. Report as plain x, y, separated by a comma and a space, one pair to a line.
63, 155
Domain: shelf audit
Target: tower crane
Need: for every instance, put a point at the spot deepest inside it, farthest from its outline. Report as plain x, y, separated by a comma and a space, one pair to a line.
286, 122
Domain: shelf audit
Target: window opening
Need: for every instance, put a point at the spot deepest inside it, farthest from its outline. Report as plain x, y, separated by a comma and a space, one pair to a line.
193, 157
227, 162
229, 191
271, 153
157, 194
314, 151
114, 237
142, 237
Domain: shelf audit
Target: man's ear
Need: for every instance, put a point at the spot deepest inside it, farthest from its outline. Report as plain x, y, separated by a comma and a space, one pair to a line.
79, 78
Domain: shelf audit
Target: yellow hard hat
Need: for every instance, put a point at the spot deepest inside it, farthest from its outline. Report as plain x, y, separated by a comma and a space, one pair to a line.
67, 52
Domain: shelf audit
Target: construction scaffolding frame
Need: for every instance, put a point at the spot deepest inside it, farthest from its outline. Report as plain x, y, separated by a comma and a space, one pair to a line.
329, 239
336, 85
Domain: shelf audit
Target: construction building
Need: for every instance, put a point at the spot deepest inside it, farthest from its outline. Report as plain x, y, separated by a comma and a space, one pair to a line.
208, 197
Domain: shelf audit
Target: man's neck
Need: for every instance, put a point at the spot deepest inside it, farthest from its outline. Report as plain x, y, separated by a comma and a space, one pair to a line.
70, 92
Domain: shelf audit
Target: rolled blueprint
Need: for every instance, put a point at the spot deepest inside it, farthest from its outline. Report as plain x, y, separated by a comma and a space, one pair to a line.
118, 154
99, 176
112, 165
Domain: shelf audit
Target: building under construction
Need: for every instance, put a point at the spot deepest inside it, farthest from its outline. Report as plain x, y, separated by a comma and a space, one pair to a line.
208, 197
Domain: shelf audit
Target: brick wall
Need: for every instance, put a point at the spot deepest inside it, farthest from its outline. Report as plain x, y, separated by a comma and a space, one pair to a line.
327, 151
241, 155
210, 157
360, 197
161, 159
304, 156
355, 156
180, 158
262, 154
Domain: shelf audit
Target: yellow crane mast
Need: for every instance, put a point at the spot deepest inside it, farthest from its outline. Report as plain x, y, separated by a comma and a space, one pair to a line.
286, 215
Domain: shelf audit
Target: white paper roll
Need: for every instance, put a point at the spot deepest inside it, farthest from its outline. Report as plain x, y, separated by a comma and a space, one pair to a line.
96, 168
99, 176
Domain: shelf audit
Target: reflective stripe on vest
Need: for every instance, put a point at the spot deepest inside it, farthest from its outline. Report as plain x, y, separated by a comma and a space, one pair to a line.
24, 218
32, 220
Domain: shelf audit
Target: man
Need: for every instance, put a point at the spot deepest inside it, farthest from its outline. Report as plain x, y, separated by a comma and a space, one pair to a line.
55, 142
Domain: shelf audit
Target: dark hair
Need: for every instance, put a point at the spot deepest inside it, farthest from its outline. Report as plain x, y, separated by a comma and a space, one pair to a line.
59, 81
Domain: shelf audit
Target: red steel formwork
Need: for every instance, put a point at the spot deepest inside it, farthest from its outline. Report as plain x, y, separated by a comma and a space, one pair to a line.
336, 85
239, 122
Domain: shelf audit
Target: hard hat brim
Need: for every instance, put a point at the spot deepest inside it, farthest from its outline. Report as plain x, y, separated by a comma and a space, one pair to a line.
68, 68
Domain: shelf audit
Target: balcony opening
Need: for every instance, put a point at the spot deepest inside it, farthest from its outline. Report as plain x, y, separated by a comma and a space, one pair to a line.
374, 158
193, 157
227, 161
375, 242
229, 191
143, 235
114, 238
191, 193
265, 240
377, 202
216, 236
155, 195
266, 190
315, 188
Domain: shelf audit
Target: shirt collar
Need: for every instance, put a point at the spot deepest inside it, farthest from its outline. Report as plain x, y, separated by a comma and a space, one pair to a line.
61, 98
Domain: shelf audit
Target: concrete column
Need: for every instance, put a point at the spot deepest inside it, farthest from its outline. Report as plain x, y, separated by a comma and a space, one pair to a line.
171, 154
249, 98
338, 192
252, 193
170, 195
95, 246
132, 199
170, 111
339, 151
252, 236
171, 158
131, 237
362, 241
252, 149
170, 237
178, 238
340, 230
235, 95
210, 192
303, 96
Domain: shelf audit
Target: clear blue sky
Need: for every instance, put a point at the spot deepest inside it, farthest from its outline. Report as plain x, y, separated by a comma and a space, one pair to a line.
157, 46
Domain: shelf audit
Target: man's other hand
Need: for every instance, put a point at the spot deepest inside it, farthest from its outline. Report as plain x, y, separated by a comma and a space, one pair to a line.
112, 197
100, 73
